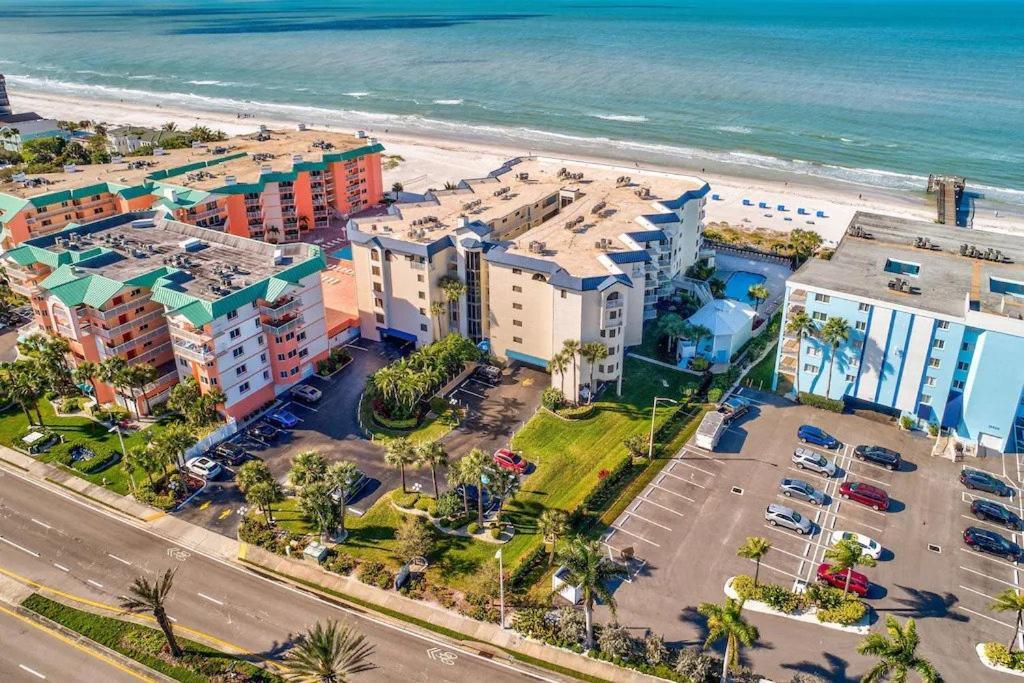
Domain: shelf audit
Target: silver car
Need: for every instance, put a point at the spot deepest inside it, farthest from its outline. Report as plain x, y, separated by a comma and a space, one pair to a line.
801, 490
780, 515
807, 459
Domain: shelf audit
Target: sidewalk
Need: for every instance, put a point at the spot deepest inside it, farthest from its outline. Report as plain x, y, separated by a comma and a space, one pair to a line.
392, 605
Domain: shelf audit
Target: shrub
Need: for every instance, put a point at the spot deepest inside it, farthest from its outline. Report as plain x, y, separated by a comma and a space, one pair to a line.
61, 453
848, 613
110, 412
907, 422
424, 502
580, 412
98, 462
340, 563
781, 598
655, 652
714, 395
448, 505
399, 424
825, 597
816, 401
496, 532
616, 642
144, 493
257, 531
933, 429
375, 574
533, 622
71, 404
552, 398
700, 364
697, 666
744, 587
997, 654
405, 500
473, 527
572, 626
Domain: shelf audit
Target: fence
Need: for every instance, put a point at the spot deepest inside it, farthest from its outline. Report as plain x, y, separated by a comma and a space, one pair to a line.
750, 252
211, 439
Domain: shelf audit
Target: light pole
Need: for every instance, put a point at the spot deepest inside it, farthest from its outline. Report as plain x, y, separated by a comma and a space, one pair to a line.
124, 453
501, 585
654, 411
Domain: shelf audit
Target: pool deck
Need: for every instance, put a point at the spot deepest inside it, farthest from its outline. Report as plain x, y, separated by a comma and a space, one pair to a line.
774, 274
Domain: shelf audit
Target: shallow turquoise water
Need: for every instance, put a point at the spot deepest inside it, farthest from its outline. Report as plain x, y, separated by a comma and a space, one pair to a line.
869, 91
739, 283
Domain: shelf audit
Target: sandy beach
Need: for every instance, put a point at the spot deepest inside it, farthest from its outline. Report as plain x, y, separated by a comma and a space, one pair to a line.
430, 161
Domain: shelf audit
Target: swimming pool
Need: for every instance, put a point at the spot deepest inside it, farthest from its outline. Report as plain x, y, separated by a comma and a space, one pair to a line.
739, 282
345, 253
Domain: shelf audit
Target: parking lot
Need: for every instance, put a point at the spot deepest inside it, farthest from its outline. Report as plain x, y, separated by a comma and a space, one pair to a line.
684, 529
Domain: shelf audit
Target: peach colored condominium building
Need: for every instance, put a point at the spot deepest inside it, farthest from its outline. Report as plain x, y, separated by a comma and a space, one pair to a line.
548, 250
234, 313
273, 186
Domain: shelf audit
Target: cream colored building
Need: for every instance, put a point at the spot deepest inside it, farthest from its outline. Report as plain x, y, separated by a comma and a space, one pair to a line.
548, 250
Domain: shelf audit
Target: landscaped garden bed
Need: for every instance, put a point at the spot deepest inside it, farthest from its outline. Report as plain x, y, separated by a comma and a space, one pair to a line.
823, 605
335, 362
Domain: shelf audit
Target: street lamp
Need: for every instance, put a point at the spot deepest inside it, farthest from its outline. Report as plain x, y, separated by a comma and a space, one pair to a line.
654, 411
124, 453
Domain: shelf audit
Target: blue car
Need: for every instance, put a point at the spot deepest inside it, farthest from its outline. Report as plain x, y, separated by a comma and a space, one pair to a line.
817, 436
284, 419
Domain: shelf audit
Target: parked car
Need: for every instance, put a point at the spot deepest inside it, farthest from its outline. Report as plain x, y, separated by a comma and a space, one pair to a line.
994, 512
229, 453
351, 488
780, 515
859, 584
866, 494
880, 455
983, 481
806, 459
472, 494
868, 546
987, 541
488, 373
203, 467
265, 432
306, 393
801, 490
734, 407
509, 460
817, 436
283, 419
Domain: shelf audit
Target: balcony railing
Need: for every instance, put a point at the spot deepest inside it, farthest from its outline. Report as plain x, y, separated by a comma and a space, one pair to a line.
196, 352
279, 327
613, 304
280, 306
192, 336
109, 333
124, 346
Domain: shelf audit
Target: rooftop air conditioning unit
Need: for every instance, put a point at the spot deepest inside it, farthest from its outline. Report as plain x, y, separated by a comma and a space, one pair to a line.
296, 158
263, 128
230, 180
278, 257
266, 168
192, 244
301, 127
361, 134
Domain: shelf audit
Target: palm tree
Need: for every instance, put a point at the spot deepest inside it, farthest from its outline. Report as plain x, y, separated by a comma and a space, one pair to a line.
834, 332
754, 548
436, 309
399, 453
341, 475
672, 326
112, 372
698, 333
433, 455
717, 287
308, 467
144, 596
20, 384
457, 475
136, 377
552, 524
449, 185
86, 373
801, 325
138, 459
263, 495
759, 293
453, 289
1010, 600
328, 653
571, 348
169, 127
558, 364
317, 504
847, 555
726, 621
593, 352
475, 466
897, 654
588, 568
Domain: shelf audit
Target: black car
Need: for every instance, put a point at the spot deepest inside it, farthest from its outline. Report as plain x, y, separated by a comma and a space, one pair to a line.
878, 454
996, 513
228, 453
265, 431
987, 541
983, 481
490, 502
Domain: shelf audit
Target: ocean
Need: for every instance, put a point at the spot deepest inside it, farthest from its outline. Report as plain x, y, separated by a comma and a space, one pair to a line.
863, 91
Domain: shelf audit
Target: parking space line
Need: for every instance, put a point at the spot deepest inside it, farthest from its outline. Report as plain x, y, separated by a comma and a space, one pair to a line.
854, 521
975, 521
662, 488
632, 513
984, 616
822, 477
682, 479
788, 533
659, 505
975, 571
636, 536
984, 595
699, 469
786, 552
985, 556
859, 476
692, 450
765, 565
471, 393
968, 497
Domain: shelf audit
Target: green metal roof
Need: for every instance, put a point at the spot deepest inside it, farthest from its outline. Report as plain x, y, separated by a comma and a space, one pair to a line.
91, 289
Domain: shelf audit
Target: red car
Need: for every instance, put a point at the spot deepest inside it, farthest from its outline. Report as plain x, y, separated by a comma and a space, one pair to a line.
858, 582
865, 494
507, 460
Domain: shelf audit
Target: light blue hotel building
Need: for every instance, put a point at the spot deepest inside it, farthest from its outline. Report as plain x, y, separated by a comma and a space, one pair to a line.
936, 327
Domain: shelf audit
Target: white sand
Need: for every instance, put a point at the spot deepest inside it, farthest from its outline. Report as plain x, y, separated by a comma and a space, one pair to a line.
429, 162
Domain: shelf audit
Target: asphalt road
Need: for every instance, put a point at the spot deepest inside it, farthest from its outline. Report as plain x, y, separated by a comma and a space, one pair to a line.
31, 652
63, 544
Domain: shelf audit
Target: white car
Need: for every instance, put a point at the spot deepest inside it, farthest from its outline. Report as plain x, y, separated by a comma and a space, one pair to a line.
869, 546
203, 467
805, 458
306, 393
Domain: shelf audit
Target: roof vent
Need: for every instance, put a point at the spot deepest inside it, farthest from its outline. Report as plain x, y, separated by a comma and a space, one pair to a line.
192, 244
230, 180
143, 223
278, 257
302, 127
361, 134
463, 222
266, 168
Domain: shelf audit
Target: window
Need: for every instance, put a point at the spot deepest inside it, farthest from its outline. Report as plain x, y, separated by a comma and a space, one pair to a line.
563, 294
283, 374
926, 399
260, 340
280, 356
243, 387
813, 351
240, 370
851, 378
821, 317
517, 323
378, 287
863, 307
136, 292
822, 298
375, 270
303, 353
423, 327
938, 344
810, 368
380, 318
291, 354
517, 271
278, 340
861, 326
374, 255
422, 295
966, 346
517, 340
419, 278
301, 336
140, 309
238, 351
934, 363
929, 381
266, 374
958, 384
293, 371
232, 315
857, 345
517, 307
962, 365
517, 288
235, 333
943, 324
263, 358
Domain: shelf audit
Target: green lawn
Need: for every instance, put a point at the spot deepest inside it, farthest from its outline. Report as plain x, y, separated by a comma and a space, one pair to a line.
199, 664
431, 429
653, 344
13, 424
760, 376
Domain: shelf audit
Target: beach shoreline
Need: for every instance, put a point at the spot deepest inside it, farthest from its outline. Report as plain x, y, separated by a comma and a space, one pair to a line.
430, 159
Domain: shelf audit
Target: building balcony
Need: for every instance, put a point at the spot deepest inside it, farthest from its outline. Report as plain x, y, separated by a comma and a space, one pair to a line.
791, 347
280, 307
613, 304
189, 334
283, 326
798, 296
168, 372
111, 332
109, 349
190, 351
788, 365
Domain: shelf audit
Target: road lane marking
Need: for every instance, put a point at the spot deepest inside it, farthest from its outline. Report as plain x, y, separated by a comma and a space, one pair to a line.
215, 601
226, 513
31, 671
19, 547
204, 505
986, 556
61, 567
94, 583
119, 559
42, 524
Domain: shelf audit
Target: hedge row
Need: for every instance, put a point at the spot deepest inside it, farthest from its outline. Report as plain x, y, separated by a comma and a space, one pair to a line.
815, 401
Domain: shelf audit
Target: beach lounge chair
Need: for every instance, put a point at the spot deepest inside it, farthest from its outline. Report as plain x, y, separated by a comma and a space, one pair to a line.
762, 205
716, 197
747, 202
820, 214
781, 207
802, 211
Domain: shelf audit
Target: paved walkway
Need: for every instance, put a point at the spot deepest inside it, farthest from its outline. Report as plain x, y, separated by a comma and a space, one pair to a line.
304, 573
